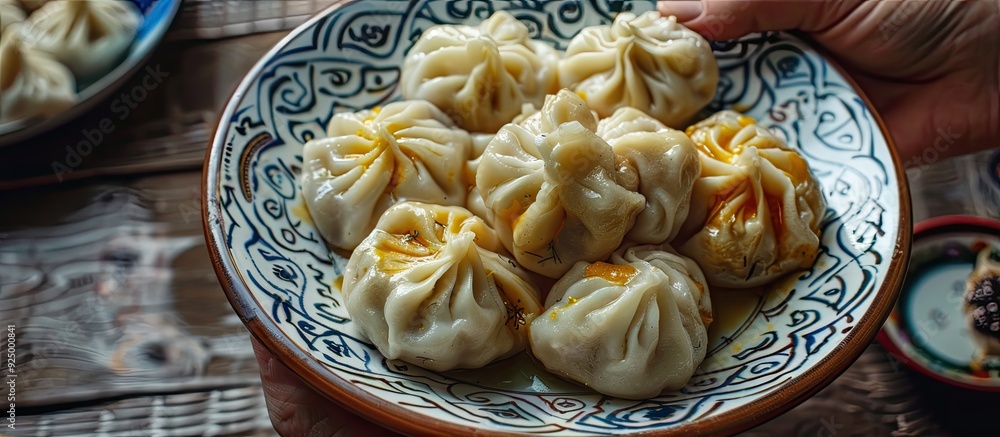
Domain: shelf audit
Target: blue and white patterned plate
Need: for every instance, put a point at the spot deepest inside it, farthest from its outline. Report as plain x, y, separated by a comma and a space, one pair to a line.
157, 16
771, 349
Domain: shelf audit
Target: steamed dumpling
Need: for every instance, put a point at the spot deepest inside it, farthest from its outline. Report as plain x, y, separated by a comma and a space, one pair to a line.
648, 62
756, 209
31, 82
88, 36
474, 201
562, 107
631, 328
374, 158
10, 13
667, 163
431, 286
560, 195
482, 75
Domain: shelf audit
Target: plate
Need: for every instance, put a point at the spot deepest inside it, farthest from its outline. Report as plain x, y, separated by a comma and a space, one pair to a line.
927, 330
158, 14
774, 347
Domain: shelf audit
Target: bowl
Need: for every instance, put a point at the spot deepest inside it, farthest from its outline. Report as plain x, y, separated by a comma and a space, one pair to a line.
157, 16
927, 330
771, 348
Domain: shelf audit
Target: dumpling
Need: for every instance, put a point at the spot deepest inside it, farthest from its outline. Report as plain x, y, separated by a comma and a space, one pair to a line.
88, 36
480, 76
561, 195
431, 286
373, 159
31, 82
756, 209
559, 108
562, 107
648, 62
630, 328
10, 13
667, 163
474, 201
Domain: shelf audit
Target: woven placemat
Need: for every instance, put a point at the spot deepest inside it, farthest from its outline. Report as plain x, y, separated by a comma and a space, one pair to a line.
210, 19
235, 411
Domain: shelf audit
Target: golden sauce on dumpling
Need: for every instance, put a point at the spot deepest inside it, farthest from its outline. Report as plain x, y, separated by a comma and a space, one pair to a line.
372, 159
756, 208
630, 327
613, 273
433, 286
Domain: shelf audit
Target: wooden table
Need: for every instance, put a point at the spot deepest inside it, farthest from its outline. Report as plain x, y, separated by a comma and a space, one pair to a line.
121, 326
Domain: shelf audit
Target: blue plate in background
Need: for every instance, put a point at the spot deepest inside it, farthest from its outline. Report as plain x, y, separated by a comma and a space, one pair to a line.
158, 15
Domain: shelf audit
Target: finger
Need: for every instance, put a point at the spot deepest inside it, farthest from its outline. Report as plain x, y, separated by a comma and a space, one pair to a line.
296, 410
925, 137
729, 19
684, 10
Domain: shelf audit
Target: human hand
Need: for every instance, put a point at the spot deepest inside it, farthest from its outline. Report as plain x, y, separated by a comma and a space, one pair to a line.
930, 68
296, 410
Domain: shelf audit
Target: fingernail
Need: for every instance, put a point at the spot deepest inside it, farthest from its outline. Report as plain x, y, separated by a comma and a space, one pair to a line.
684, 10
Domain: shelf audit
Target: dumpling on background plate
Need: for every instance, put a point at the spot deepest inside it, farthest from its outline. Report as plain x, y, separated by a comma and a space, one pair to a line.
556, 192
756, 209
32, 83
647, 62
631, 328
431, 286
480, 76
668, 165
88, 36
372, 159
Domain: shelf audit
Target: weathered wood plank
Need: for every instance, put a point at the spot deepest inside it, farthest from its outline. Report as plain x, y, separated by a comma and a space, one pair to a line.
114, 299
115, 303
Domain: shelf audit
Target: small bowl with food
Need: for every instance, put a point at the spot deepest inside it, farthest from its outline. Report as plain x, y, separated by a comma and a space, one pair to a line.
565, 219
946, 322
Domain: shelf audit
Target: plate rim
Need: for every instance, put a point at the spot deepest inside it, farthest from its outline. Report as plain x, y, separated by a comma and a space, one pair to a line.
786, 396
889, 342
120, 74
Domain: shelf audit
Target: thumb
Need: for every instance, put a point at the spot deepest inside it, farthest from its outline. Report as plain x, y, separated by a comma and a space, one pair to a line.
729, 19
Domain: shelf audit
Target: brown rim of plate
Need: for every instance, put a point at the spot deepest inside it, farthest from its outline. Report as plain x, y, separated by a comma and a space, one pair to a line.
395, 417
